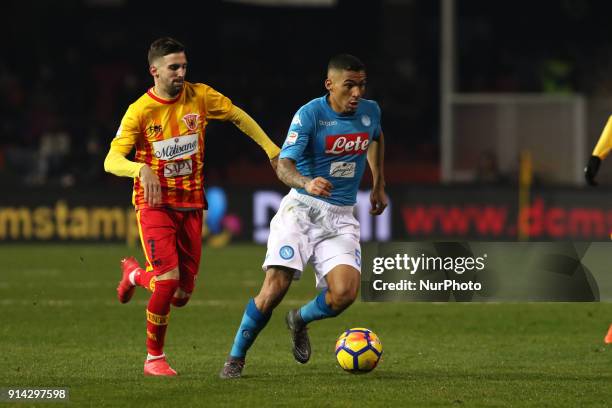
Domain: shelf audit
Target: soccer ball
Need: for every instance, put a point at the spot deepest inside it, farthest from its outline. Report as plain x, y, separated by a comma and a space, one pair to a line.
358, 350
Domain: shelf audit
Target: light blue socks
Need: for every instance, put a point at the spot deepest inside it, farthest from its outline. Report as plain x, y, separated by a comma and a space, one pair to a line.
253, 321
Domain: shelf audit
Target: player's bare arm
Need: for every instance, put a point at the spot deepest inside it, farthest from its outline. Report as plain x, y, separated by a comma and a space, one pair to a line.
151, 185
376, 158
274, 162
288, 174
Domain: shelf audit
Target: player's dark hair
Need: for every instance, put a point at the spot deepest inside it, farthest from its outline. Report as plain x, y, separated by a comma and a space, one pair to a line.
164, 46
346, 62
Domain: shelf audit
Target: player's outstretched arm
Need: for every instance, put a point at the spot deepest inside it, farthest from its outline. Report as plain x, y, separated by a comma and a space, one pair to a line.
116, 163
602, 149
288, 174
249, 127
376, 159
122, 144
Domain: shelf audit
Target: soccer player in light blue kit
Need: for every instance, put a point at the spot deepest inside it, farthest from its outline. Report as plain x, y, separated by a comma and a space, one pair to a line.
323, 159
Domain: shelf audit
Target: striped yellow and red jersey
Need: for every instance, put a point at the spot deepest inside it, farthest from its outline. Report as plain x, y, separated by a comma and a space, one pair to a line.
169, 137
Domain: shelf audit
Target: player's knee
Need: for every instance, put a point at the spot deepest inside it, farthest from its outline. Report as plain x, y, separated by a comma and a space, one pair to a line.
343, 297
180, 302
180, 297
165, 287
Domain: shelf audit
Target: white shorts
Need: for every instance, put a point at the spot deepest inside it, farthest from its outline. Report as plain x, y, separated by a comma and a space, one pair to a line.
306, 229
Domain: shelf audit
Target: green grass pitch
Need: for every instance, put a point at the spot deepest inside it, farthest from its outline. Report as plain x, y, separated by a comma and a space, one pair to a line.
61, 326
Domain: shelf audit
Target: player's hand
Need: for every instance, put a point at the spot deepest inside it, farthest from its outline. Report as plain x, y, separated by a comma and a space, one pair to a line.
274, 163
319, 187
591, 169
151, 185
378, 201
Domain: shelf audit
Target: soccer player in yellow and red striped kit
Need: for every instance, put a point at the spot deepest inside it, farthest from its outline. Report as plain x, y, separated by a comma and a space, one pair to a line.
600, 152
167, 127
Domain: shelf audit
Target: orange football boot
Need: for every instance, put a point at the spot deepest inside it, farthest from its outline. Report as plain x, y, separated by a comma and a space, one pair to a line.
608, 338
158, 367
125, 289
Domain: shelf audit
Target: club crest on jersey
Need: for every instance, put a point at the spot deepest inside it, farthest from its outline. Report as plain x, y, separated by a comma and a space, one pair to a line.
286, 252
366, 121
191, 121
291, 138
353, 143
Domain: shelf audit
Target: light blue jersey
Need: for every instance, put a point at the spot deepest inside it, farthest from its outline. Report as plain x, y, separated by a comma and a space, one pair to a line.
326, 144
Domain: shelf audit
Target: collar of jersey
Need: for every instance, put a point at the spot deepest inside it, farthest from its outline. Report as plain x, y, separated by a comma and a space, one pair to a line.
162, 100
333, 112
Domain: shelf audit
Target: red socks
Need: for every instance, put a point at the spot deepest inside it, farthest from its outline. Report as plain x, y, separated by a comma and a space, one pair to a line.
158, 312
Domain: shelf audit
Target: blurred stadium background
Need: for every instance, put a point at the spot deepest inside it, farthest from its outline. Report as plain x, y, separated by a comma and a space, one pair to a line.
467, 88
